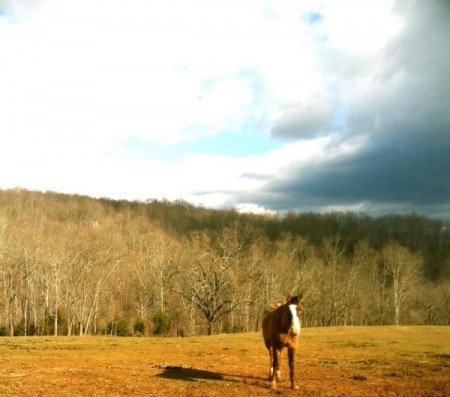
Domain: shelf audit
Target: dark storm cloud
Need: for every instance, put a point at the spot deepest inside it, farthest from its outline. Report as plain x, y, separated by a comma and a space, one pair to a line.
395, 172
400, 108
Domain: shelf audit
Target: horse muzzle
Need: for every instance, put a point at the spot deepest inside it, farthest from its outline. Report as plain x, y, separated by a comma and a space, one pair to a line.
294, 332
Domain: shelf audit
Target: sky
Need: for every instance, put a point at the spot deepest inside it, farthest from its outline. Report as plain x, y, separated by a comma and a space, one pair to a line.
257, 105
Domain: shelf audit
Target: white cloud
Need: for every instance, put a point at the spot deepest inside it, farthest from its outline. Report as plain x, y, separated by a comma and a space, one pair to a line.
251, 208
138, 67
360, 27
93, 73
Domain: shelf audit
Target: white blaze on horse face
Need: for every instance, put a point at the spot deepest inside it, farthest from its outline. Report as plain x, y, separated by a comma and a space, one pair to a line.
295, 320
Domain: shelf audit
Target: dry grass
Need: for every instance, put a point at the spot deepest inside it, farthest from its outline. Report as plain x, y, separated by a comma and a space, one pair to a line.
353, 361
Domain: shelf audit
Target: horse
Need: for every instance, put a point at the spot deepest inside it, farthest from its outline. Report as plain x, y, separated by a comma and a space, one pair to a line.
281, 326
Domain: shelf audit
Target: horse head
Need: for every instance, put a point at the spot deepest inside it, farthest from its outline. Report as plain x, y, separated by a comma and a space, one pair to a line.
295, 304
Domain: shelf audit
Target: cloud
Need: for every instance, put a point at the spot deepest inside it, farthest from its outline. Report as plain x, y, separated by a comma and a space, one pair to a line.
304, 120
164, 71
394, 113
168, 71
16, 10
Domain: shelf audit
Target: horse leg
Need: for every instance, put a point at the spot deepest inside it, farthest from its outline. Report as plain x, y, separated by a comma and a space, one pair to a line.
271, 363
278, 373
291, 354
276, 363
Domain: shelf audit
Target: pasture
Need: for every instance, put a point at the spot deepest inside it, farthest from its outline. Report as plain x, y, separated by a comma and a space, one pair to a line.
347, 361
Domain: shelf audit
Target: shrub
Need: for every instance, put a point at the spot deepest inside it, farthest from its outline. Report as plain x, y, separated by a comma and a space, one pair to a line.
161, 323
139, 327
117, 328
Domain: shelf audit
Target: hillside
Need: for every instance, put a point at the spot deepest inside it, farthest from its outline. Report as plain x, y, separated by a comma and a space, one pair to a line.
74, 265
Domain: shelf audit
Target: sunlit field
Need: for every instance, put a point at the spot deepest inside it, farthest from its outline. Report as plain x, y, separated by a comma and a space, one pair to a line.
347, 361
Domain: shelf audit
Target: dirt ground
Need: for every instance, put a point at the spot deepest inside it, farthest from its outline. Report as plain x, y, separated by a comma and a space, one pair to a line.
350, 361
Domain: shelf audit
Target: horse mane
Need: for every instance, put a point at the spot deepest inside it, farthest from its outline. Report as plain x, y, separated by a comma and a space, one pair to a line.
289, 300
272, 307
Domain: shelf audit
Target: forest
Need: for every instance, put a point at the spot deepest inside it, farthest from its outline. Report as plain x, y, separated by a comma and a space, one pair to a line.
76, 265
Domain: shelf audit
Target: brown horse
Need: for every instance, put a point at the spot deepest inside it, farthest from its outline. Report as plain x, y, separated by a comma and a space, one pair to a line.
281, 325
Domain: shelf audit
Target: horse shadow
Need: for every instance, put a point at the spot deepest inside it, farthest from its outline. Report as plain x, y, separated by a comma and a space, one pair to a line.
189, 374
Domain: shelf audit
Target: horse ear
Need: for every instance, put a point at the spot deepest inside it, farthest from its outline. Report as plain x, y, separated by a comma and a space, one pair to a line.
288, 298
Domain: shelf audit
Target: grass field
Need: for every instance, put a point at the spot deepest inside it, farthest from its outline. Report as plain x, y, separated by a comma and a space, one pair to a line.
351, 361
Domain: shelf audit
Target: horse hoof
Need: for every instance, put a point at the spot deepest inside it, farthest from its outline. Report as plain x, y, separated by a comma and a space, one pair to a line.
278, 376
294, 387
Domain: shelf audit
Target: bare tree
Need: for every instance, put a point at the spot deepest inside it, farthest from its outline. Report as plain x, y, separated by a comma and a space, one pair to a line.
153, 271
210, 283
404, 268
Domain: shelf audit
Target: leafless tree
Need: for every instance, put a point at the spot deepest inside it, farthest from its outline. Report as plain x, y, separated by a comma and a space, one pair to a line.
404, 268
210, 281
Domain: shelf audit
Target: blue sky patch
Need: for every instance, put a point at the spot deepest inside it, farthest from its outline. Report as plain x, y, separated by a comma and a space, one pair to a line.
222, 144
314, 18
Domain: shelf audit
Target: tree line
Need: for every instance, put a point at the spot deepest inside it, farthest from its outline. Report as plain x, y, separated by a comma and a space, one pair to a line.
74, 265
